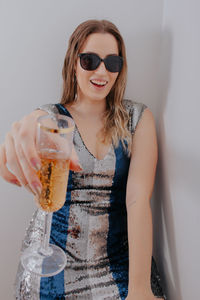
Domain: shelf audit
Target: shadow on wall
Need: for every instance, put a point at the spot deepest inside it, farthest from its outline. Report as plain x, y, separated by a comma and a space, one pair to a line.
164, 229
143, 50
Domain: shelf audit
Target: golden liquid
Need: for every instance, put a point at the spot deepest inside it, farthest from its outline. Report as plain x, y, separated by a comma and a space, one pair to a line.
54, 177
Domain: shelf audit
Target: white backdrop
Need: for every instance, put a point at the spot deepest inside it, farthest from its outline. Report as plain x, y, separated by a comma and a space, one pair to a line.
177, 185
34, 36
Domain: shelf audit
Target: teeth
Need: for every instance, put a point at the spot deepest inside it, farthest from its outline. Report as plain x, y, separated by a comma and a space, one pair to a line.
99, 82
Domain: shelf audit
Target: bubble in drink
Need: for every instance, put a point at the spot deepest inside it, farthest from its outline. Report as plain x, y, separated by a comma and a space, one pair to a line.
54, 178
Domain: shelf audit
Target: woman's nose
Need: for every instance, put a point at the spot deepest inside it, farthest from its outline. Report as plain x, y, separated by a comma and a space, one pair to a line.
101, 68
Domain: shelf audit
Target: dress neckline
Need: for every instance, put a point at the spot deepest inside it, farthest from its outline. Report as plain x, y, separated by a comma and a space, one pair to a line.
66, 111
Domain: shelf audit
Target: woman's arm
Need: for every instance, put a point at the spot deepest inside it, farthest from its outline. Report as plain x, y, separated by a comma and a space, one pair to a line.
140, 184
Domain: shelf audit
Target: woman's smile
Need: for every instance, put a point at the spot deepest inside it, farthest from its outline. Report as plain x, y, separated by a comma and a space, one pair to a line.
99, 83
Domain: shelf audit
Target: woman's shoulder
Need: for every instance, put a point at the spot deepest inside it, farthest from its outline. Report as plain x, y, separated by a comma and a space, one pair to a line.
135, 110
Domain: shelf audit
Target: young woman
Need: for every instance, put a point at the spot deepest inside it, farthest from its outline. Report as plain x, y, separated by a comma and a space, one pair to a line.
105, 226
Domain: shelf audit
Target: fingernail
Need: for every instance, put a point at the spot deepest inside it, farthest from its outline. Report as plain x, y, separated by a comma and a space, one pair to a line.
35, 163
78, 165
79, 168
16, 182
36, 188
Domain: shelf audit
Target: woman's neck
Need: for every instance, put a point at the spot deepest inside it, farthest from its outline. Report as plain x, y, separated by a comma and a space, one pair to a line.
89, 107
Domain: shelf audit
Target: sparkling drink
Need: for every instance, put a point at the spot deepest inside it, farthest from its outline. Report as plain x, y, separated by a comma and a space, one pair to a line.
54, 177
54, 139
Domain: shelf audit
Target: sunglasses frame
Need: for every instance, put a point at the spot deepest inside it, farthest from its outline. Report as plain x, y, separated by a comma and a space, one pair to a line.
80, 55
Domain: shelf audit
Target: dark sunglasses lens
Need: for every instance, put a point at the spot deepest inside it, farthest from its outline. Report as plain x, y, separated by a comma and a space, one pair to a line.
114, 63
89, 61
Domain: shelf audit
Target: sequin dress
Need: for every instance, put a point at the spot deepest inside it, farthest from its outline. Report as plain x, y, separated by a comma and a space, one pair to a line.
91, 227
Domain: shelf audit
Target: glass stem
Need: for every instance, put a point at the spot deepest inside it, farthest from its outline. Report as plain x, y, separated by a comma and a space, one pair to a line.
45, 249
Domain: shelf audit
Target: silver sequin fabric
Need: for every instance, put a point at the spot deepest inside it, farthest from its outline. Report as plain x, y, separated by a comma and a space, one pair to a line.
91, 228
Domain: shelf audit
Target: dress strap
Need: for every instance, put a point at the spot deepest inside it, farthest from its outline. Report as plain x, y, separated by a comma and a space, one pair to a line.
135, 110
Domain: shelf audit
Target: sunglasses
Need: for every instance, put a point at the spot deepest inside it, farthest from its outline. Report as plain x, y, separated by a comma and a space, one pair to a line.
91, 61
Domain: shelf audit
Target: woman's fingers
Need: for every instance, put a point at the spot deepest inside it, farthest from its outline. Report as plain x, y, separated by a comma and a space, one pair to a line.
24, 137
19, 159
27, 134
74, 162
4, 172
12, 159
30, 174
23, 143
19, 166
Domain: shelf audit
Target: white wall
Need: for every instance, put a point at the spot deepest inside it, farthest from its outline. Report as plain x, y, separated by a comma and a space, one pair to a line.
178, 188
34, 37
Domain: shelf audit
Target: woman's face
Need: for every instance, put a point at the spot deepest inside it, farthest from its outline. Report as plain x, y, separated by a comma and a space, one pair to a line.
95, 85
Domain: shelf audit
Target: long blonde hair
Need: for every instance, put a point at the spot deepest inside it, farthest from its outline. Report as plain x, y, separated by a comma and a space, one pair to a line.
115, 116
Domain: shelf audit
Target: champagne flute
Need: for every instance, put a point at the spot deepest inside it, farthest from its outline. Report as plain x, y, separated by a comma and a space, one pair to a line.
54, 140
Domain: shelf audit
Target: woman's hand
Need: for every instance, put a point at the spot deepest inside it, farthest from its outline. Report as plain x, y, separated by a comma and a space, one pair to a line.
19, 159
